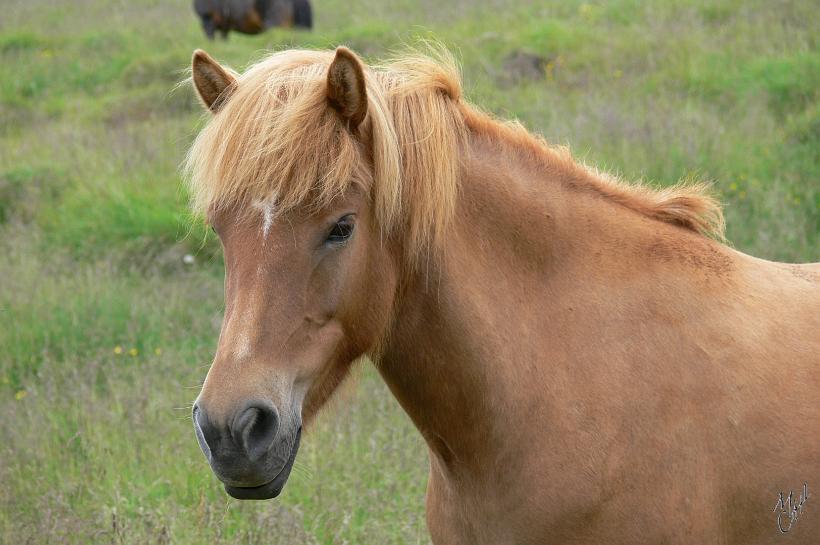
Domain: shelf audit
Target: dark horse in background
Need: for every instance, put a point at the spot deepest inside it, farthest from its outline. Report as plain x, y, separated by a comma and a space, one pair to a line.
252, 16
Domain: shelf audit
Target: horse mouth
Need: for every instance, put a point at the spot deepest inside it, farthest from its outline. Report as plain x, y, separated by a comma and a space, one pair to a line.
272, 488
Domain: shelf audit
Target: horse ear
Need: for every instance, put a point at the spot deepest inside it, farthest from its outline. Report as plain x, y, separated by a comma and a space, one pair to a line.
346, 87
211, 80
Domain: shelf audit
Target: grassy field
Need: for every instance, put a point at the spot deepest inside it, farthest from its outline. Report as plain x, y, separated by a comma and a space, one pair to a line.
106, 333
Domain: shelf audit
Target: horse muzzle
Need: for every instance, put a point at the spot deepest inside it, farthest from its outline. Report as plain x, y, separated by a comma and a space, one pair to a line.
250, 452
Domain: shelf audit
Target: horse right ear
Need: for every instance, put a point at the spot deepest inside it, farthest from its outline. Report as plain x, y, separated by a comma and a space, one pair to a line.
212, 82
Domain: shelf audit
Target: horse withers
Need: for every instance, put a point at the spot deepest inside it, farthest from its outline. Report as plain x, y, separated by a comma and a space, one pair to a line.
251, 16
585, 359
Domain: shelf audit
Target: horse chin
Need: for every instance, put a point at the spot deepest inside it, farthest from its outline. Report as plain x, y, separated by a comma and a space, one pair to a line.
272, 488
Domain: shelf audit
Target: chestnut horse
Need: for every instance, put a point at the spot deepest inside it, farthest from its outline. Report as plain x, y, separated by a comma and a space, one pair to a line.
585, 359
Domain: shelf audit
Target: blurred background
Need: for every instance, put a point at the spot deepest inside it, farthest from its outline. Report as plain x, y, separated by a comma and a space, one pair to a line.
111, 296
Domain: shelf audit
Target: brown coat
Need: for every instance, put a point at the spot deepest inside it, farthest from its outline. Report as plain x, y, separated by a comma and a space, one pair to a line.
584, 362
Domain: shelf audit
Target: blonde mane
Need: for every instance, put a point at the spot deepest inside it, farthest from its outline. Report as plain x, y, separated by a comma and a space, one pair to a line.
686, 204
276, 140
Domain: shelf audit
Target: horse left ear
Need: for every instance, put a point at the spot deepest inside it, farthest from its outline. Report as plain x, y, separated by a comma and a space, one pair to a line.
346, 91
211, 80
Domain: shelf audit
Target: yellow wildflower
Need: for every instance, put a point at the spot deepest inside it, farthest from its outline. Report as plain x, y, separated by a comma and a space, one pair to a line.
158, 351
133, 352
20, 395
118, 349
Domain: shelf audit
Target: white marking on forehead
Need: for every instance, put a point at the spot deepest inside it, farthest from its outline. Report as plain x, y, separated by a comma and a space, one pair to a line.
267, 219
268, 209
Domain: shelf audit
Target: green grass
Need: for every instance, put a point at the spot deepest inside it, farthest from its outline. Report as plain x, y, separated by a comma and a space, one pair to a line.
107, 334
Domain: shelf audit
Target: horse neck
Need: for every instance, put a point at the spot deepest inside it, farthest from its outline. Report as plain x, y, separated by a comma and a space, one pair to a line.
479, 349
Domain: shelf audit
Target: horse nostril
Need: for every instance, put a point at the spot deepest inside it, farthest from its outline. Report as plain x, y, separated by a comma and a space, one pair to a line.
255, 429
202, 430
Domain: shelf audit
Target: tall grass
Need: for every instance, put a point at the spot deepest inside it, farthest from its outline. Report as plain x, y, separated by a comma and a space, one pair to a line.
106, 332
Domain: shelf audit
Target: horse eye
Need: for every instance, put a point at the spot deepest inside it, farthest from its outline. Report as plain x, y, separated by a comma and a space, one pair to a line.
341, 230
